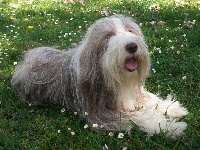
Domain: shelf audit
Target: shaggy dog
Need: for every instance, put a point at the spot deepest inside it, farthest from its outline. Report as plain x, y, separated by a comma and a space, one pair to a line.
103, 76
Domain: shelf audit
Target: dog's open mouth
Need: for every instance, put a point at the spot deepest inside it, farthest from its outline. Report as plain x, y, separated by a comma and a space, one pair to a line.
131, 64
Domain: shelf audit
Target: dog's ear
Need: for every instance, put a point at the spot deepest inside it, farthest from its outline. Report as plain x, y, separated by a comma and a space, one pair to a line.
90, 78
93, 47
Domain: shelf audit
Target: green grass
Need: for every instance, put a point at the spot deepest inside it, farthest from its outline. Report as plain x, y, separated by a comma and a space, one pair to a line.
175, 54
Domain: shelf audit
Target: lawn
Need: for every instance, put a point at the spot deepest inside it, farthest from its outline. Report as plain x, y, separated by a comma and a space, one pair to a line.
172, 31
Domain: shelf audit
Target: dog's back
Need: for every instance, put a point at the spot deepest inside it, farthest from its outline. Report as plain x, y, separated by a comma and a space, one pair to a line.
35, 76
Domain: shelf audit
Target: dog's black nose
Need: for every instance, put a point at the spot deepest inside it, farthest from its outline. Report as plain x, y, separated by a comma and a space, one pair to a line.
131, 47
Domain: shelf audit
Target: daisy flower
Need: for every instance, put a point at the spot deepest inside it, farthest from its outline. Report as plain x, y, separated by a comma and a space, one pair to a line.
120, 135
102, 126
58, 131
111, 134
95, 125
63, 110
72, 133
85, 126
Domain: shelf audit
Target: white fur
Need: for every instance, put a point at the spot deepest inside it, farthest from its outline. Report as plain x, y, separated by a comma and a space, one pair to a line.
148, 110
160, 115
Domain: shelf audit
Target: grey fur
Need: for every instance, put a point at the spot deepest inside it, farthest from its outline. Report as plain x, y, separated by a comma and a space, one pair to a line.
92, 78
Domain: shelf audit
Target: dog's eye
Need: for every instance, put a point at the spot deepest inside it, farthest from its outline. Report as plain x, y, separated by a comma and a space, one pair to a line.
131, 30
109, 35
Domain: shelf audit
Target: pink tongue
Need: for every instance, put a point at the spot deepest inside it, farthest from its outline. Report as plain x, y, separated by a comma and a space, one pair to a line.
131, 64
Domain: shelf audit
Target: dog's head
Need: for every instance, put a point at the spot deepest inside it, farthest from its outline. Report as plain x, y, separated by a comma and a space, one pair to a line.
115, 46
127, 57
112, 56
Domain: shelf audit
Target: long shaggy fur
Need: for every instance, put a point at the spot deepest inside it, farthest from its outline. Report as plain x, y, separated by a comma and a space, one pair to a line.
103, 76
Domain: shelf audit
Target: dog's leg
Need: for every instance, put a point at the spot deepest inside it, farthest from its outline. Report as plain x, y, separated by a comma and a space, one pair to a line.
153, 122
168, 107
171, 108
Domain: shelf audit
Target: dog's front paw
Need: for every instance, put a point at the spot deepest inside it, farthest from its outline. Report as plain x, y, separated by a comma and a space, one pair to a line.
171, 109
175, 110
176, 128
